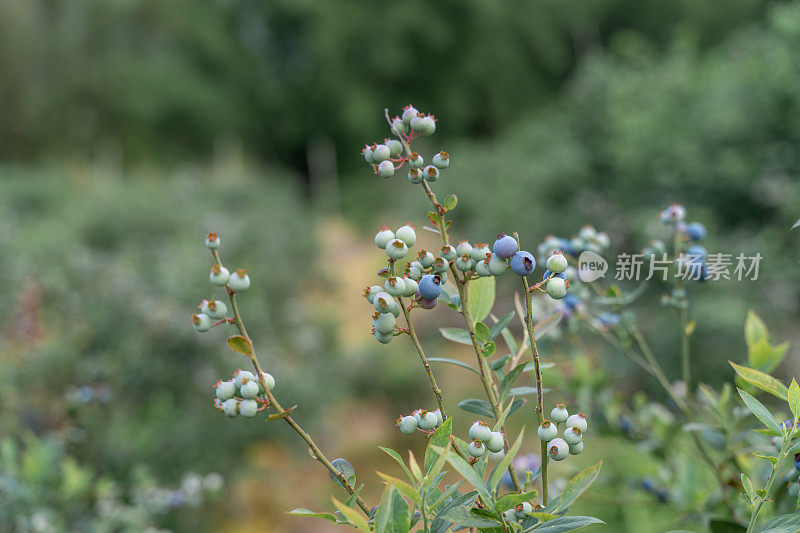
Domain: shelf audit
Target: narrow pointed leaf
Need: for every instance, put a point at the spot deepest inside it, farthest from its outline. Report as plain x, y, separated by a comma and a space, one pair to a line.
761, 412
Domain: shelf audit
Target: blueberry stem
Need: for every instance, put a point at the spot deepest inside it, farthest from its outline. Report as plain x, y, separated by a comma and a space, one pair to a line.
315, 450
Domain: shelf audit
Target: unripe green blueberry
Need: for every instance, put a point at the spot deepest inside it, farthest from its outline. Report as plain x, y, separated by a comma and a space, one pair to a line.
409, 112
243, 376
394, 286
269, 381
384, 323
396, 249
573, 435
415, 176
482, 268
425, 258
441, 160
442, 276
440, 265
427, 420
395, 146
214, 308
556, 288
239, 280
248, 408
496, 443
557, 449
476, 448
557, 263
479, 251
449, 252
383, 302
231, 408
417, 122
547, 430
201, 322
386, 169
428, 125
439, 419
479, 430
577, 420
496, 456
249, 389
510, 515
406, 234
226, 390
464, 263
496, 265
380, 153
559, 413
416, 161
575, 449
463, 247
384, 338
370, 292
398, 125
213, 241
414, 271
431, 173
367, 153
219, 275
383, 237
407, 425
523, 510
410, 287
395, 310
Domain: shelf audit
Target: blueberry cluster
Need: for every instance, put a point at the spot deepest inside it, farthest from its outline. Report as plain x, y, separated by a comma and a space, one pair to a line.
242, 395
572, 441
391, 154
425, 421
587, 239
483, 439
692, 259
520, 512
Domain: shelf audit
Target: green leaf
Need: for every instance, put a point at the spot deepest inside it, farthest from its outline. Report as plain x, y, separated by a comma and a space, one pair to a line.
771, 459
794, 399
305, 512
450, 202
352, 516
761, 380
409, 491
565, 523
748, 488
482, 332
759, 354
510, 340
470, 474
779, 352
500, 325
392, 515
543, 327
346, 469
761, 412
504, 463
452, 362
511, 378
513, 499
456, 335
479, 407
414, 466
516, 404
465, 517
481, 297
754, 329
488, 349
237, 343
521, 391
434, 218
396, 456
785, 523
440, 438
576, 486
498, 363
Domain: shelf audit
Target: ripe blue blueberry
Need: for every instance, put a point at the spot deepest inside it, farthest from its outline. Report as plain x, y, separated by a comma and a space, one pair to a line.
440, 265
480, 430
559, 414
496, 265
577, 420
384, 338
226, 390
386, 169
476, 448
248, 408
673, 214
231, 408
406, 234
398, 125
416, 161
409, 112
496, 443
522, 263
384, 323
383, 237
370, 292
383, 302
213, 241
427, 304
430, 286
449, 252
427, 420
394, 286
557, 263
214, 308
505, 246
431, 173
395, 146
380, 153
557, 449
219, 275
239, 280
696, 253
242, 376
410, 287
547, 431
396, 249
201, 322
575, 449
415, 176
407, 425
249, 389
441, 160
556, 288
573, 435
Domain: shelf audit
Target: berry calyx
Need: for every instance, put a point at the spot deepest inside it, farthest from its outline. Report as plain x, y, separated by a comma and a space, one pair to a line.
416, 161
431, 173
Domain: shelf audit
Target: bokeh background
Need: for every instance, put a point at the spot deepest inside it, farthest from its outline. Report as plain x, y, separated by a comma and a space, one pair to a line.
131, 128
